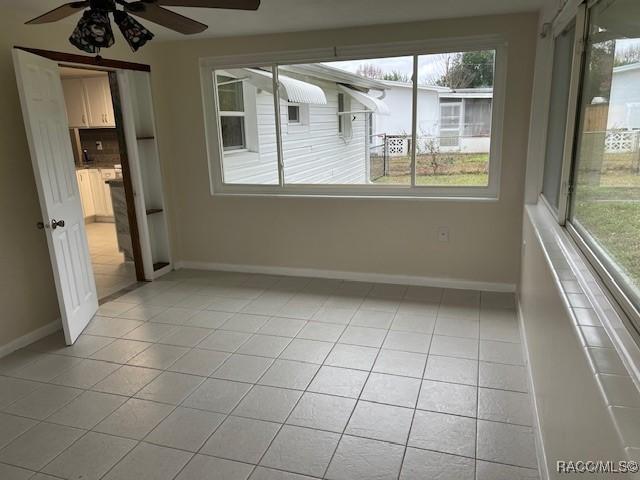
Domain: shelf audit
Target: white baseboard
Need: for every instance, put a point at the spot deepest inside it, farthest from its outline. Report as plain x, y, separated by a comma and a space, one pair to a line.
30, 337
352, 276
541, 455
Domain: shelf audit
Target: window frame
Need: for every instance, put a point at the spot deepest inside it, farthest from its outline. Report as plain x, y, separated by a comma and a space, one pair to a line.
597, 258
272, 60
572, 122
234, 113
298, 108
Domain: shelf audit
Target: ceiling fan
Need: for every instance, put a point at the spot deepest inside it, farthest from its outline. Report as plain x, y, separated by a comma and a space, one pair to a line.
93, 30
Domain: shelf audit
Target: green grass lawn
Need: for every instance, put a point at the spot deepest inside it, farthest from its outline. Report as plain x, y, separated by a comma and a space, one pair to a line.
616, 226
453, 169
610, 210
454, 180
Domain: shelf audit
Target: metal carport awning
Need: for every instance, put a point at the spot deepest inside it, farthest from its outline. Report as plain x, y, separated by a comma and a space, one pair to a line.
291, 89
372, 103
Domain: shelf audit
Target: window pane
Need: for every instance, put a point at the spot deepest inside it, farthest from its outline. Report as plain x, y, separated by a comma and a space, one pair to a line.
294, 114
230, 94
247, 126
359, 122
455, 98
232, 132
606, 198
557, 124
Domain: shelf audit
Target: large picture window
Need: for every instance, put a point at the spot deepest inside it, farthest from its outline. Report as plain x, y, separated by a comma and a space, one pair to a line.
605, 200
402, 125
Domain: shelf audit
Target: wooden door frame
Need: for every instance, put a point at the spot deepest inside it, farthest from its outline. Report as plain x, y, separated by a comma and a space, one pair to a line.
110, 66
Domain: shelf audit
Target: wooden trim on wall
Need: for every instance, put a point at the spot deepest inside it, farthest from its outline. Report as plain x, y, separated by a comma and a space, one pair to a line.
97, 61
126, 178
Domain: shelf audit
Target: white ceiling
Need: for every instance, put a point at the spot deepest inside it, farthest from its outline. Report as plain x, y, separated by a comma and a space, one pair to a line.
296, 15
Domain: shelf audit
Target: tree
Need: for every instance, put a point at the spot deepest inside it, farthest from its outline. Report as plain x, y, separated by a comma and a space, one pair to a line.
465, 70
370, 70
396, 76
627, 56
600, 63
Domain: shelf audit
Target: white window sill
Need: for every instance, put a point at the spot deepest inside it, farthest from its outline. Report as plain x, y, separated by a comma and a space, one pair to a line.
609, 347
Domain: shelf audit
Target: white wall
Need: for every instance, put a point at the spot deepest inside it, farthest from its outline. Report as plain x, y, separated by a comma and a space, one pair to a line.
399, 99
625, 91
574, 420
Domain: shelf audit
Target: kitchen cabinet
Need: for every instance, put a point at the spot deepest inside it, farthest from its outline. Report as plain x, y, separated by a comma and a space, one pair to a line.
76, 103
89, 103
86, 193
98, 94
94, 193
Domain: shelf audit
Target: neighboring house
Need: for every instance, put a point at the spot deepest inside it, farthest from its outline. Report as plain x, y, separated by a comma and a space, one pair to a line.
457, 120
624, 100
616, 117
325, 115
333, 122
465, 120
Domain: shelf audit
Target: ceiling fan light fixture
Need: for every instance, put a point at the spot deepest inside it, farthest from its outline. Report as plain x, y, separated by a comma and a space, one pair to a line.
133, 31
93, 32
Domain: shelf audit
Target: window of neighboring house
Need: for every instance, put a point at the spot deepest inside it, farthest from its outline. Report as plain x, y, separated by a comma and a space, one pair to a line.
604, 213
293, 112
240, 107
477, 117
232, 115
450, 123
340, 116
357, 139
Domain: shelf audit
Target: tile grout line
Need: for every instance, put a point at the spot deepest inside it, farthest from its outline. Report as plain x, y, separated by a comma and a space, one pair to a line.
415, 409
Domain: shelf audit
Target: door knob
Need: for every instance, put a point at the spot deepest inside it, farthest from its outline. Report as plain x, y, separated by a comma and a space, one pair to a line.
56, 223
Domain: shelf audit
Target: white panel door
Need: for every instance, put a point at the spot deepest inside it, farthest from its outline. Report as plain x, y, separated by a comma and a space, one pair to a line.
45, 118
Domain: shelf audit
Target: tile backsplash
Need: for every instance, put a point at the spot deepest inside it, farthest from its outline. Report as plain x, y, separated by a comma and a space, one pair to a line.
110, 153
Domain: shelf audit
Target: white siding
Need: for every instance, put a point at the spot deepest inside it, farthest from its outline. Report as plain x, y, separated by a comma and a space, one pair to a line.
624, 102
313, 150
399, 101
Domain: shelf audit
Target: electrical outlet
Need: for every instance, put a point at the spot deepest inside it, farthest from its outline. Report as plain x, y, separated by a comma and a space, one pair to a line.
99, 145
443, 234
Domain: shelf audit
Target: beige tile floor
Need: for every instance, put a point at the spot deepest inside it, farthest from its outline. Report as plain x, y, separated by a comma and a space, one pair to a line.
232, 377
112, 273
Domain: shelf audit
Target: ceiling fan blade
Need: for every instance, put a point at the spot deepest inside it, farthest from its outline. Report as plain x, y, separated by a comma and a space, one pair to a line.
231, 4
166, 18
59, 13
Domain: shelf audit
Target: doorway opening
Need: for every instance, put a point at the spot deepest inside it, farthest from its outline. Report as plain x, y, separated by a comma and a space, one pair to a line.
99, 151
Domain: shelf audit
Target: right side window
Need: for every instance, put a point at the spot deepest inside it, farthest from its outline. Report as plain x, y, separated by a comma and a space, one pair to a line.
558, 114
605, 198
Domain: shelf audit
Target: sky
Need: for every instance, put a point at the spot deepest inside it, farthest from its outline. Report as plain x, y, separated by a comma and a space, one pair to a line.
428, 65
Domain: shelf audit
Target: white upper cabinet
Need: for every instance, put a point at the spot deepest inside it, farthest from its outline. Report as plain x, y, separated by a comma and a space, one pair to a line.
89, 102
75, 99
99, 102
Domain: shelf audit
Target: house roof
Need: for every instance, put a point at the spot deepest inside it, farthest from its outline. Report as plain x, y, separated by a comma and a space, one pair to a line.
434, 88
481, 92
332, 74
627, 68
292, 89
